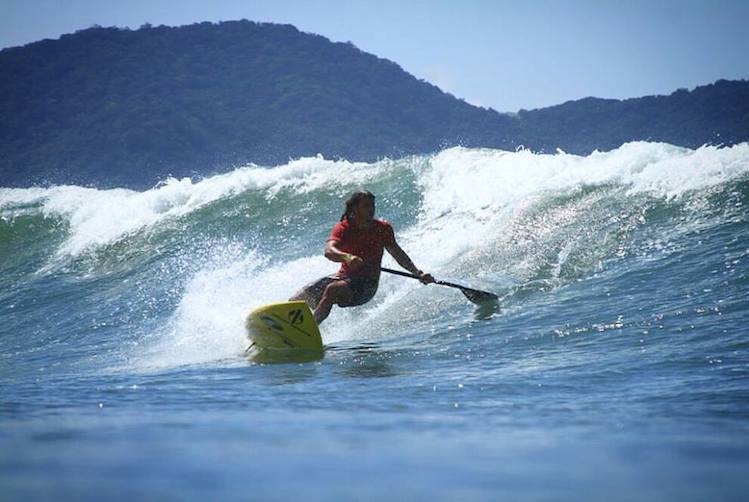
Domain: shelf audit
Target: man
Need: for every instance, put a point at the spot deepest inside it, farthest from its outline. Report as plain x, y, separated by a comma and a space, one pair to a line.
357, 242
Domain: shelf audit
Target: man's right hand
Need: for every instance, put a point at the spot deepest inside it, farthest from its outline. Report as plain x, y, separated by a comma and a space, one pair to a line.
352, 261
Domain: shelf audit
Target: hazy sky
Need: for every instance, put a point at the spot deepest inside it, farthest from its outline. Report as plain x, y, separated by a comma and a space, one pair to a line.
495, 53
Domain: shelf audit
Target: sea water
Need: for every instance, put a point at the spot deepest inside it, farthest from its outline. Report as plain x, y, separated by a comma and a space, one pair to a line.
617, 367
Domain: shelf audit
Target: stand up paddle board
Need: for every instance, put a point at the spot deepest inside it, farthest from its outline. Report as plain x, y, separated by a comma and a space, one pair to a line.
283, 332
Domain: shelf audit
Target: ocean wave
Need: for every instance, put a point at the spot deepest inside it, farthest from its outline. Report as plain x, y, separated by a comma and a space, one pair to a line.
190, 258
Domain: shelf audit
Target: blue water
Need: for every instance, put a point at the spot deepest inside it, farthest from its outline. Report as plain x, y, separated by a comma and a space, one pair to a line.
618, 366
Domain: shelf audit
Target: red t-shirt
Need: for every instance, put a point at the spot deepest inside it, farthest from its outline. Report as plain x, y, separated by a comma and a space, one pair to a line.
367, 244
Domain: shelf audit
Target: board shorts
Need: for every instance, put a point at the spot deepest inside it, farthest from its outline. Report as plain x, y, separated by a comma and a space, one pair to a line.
362, 289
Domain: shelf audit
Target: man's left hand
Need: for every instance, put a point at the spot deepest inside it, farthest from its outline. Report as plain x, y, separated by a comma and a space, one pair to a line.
425, 278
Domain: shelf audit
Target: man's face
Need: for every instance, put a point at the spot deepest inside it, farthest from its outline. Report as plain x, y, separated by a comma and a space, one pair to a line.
365, 210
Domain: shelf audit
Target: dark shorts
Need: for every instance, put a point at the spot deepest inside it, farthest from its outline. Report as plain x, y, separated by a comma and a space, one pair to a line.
362, 289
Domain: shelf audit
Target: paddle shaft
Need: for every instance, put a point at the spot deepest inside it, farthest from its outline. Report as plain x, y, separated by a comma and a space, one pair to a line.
413, 276
476, 296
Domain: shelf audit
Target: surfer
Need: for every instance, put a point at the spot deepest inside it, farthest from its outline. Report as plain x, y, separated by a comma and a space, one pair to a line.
357, 241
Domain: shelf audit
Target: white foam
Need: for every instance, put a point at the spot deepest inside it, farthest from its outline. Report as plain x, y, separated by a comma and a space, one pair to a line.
208, 324
100, 217
460, 187
469, 194
478, 180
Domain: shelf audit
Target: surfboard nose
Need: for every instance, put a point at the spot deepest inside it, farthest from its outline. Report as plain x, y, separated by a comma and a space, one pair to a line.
282, 332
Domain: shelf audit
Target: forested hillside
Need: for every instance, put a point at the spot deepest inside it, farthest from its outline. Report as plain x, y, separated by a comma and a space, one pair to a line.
120, 107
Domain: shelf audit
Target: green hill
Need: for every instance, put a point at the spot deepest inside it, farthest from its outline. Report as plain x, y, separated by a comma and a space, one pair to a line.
119, 107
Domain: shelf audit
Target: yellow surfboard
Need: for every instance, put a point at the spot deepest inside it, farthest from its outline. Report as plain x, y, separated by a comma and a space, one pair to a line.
283, 332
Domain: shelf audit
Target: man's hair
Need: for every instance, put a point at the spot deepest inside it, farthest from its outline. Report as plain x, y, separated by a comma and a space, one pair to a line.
353, 201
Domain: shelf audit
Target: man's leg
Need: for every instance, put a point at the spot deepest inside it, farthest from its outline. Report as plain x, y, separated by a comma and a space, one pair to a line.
335, 293
311, 293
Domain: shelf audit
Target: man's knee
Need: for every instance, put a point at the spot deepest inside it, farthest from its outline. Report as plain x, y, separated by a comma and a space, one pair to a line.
337, 292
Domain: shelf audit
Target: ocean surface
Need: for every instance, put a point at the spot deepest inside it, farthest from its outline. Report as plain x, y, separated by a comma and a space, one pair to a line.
616, 369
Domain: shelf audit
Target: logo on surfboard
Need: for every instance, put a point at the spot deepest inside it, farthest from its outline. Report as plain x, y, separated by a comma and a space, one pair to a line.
296, 317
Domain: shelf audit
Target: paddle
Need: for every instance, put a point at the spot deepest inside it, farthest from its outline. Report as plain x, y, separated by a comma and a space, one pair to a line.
474, 295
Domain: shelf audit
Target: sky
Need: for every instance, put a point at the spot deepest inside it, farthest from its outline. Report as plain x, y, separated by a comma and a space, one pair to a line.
501, 54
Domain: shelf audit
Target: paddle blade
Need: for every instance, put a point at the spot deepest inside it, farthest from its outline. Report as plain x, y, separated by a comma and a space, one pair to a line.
479, 297
474, 295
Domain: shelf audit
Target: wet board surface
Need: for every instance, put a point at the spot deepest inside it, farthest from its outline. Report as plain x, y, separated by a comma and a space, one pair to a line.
283, 332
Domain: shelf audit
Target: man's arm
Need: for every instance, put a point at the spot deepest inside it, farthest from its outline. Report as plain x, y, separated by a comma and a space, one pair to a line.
404, 261
332, 253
